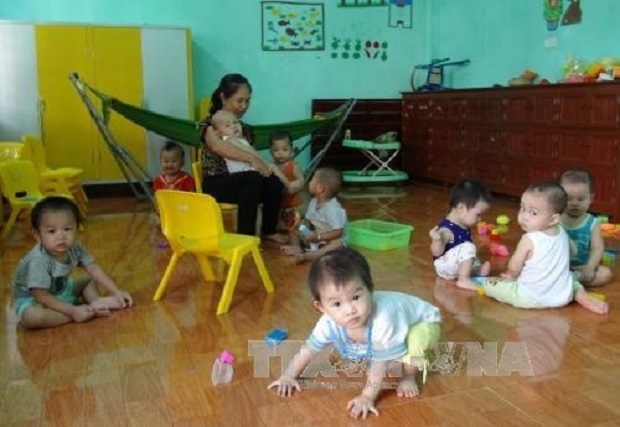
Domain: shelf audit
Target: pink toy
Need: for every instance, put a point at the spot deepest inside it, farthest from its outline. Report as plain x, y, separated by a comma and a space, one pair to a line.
499, 250
483, 228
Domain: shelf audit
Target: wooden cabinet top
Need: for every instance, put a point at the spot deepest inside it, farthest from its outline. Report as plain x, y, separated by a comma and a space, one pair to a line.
529, 90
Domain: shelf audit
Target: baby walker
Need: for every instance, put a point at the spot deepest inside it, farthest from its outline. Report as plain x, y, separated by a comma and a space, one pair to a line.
380, 153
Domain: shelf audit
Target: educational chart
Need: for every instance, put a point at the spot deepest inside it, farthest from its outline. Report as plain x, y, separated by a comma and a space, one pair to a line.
290, 26
347, 48
400, 13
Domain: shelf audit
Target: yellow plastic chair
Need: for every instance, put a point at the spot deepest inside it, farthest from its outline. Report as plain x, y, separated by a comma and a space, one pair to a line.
20, 185
61, 180
11, 151
197, 173
192, 223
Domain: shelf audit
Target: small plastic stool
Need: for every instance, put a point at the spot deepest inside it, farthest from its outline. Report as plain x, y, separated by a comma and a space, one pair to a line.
378, 168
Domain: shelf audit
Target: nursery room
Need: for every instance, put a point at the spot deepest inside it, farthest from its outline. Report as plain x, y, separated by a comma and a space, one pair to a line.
313, 213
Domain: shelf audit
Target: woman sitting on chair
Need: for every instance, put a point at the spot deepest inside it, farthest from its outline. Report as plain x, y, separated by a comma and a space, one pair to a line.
246, 189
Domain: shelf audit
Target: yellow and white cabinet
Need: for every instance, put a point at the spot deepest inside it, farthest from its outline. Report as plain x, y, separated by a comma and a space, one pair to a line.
144, 66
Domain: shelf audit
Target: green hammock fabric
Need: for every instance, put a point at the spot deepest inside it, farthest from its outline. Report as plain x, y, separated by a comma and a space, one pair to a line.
188, 131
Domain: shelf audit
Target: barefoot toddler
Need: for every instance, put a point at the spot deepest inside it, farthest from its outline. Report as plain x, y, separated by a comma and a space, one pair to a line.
45, 296
390, 330
453, 250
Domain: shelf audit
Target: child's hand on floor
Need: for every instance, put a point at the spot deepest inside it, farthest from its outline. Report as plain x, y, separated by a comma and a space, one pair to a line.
285, 385
361, 406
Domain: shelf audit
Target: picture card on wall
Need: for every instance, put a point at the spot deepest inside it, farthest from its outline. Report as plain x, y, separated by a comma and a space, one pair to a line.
288, 26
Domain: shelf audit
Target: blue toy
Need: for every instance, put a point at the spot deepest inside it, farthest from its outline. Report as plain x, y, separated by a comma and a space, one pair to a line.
479, 280
276, 336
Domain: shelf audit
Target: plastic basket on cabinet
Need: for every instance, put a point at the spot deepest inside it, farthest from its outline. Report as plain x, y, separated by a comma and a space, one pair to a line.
378, 235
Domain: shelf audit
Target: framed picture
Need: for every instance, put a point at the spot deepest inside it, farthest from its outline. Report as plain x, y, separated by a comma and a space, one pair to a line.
292, 26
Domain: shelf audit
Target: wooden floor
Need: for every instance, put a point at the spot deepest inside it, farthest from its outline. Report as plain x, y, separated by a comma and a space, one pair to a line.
151, 365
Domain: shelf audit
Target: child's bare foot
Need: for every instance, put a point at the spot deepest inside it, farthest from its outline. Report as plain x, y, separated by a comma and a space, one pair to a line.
485, 269
296, 259
591, 303
407, 387
467, 283
101, 312
108, 303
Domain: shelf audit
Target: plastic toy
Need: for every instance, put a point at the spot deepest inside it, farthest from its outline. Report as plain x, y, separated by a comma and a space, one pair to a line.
499, 250
610, 230
502, 219
602, 219
526, 78
276, 336
598, 296
500, 229
483, 228
607, 226
495, 237
609, 258
479, 280
222, 371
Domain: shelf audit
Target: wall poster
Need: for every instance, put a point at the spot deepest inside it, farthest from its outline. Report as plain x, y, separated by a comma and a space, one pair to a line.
290, 26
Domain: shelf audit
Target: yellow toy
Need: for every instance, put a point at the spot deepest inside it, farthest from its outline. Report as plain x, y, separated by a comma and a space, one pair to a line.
502, 219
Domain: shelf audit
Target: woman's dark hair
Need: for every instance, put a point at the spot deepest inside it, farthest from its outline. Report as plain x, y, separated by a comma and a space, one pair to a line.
228, 86
54, 204
339, 267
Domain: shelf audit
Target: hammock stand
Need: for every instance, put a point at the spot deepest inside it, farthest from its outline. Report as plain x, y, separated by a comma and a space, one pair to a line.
187, 132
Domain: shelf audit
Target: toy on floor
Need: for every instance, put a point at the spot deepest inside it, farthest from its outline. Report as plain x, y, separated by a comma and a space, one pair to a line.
276, 336
496, 237
499, 250
609, 258
484, 228
502, 219
602, 219
479, 280
598, 296
222, 372
610, 230
501, 227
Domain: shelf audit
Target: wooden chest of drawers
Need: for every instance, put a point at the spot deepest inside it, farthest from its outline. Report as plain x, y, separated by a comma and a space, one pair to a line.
511, 137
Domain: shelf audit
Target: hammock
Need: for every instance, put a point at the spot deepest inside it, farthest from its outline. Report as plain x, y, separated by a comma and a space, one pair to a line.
188, 131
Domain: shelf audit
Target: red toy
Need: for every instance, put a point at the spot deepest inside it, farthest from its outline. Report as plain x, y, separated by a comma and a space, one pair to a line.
499, 250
